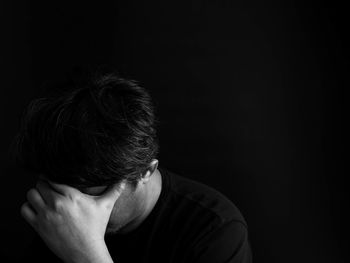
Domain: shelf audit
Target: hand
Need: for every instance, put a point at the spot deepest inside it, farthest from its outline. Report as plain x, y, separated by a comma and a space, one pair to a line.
71, 223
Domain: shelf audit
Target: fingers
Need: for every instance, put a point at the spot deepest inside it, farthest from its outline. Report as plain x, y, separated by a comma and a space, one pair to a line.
28, 214
112, 195
46, 192
35, 200
63, 189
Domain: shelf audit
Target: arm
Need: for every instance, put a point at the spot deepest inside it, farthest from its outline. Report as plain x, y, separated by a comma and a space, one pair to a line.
71, 224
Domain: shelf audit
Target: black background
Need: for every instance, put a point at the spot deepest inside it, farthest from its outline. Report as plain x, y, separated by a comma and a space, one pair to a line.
250, 101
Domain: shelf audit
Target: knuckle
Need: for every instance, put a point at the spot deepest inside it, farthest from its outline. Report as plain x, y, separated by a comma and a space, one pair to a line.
47, 216
58, 205
76, 198
73, 199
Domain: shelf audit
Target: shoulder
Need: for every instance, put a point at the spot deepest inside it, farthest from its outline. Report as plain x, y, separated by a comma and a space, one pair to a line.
210, 226
203, 197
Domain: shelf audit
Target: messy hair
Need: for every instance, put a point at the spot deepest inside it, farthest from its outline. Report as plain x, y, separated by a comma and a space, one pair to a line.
92, 132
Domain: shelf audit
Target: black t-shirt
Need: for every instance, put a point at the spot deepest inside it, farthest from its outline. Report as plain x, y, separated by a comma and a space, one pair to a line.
190, 222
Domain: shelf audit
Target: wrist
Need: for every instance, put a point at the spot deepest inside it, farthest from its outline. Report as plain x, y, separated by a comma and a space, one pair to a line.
99, 254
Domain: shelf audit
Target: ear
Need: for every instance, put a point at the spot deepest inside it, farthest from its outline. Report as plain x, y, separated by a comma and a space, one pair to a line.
151, 169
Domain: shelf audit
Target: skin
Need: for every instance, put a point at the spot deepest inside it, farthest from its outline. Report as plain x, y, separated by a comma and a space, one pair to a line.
133, 205
73, 223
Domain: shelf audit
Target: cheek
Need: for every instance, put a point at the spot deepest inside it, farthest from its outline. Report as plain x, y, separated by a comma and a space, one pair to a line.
124, 208
114, 220
117, 219
114, 212
117, 212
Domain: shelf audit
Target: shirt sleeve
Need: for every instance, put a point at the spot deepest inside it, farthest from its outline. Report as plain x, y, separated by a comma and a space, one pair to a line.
228, 243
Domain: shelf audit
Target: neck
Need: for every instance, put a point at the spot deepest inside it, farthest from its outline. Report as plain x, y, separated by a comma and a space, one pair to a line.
147, 199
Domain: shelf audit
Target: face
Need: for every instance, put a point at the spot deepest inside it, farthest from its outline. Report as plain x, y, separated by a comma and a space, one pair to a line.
125, 208
95, 191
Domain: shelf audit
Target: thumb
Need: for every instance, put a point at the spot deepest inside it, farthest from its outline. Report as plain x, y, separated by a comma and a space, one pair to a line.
112, 194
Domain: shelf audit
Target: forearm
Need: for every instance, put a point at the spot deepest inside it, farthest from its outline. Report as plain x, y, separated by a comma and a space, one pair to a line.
100, 255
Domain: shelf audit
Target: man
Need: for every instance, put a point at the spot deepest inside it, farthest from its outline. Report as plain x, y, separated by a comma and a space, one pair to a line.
100, 194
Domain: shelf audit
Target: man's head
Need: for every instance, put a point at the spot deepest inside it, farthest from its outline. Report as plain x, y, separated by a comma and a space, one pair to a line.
94, 132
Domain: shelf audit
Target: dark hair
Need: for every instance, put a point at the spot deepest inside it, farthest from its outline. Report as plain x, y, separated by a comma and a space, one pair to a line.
94, 131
